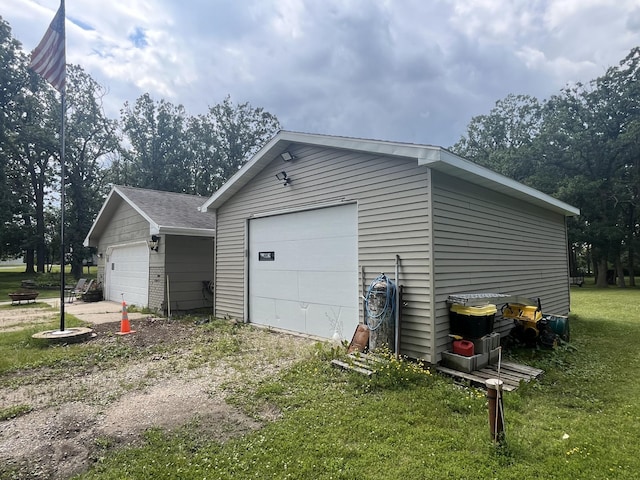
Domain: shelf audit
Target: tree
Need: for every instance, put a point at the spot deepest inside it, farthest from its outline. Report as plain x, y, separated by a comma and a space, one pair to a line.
172, 152
157, 158
583, 146
90, 135
12, 79
224, 139
504, 139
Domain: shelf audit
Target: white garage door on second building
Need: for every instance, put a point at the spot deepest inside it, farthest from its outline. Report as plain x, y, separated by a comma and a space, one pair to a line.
127, 271
303, 271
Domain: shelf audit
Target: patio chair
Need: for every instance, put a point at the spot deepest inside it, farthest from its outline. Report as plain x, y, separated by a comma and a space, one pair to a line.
75, 292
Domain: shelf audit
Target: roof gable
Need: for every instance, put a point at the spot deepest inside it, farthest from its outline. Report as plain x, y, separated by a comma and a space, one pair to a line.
430, 156
166, 212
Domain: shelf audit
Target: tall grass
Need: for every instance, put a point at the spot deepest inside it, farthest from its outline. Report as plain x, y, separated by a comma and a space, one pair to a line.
579, 421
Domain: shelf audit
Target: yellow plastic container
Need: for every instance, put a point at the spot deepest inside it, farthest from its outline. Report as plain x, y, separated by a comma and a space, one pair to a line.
480, 311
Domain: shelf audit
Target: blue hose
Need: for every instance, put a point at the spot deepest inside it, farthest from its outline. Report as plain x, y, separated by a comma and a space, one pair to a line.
378, 313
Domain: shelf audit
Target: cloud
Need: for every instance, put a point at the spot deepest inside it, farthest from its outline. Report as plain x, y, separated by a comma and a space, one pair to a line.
404, 70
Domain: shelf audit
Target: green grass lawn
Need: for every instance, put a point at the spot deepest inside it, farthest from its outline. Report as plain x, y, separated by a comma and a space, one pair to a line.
49, 283
580, 421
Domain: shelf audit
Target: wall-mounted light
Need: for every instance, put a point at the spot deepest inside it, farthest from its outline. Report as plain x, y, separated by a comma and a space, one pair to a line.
287, 156
282, 176
100, 255
154, 243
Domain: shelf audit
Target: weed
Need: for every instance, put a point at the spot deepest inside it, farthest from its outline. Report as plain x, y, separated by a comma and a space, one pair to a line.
15, 411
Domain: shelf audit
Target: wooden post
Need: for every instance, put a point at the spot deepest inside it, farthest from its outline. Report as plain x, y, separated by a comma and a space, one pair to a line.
496, 409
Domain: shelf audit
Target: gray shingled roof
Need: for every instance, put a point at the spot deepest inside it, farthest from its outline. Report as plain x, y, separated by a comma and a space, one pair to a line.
166, 212
167, 209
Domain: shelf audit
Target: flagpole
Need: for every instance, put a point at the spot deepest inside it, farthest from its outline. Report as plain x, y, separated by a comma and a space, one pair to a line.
62, 191
49, 59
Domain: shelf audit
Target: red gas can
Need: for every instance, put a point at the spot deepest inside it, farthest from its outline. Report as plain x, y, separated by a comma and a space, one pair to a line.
463, 347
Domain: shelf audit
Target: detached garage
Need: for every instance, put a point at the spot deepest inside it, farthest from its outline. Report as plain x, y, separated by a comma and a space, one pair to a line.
154, 249
311, 220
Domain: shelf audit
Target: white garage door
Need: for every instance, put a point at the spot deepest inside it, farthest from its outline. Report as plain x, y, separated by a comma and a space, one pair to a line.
303, 271
127, 271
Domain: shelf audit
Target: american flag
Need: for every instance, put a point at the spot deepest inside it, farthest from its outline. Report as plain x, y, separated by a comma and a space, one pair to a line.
49, 58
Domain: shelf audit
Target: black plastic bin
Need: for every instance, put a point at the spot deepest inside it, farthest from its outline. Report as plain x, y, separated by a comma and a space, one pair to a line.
472, 322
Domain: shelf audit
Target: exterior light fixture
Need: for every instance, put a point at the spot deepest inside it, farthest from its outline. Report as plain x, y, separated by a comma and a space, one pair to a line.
154, 243
282, 176
286, 156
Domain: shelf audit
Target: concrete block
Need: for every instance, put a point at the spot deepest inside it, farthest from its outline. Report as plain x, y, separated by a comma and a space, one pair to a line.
459, 362
487, 343
494, 355
495, 340
482, 360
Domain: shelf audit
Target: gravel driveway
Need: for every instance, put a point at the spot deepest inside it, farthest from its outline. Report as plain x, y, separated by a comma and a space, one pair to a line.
171, 374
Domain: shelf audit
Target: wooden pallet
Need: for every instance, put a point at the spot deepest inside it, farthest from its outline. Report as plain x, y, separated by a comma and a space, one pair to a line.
510, 373
363, 363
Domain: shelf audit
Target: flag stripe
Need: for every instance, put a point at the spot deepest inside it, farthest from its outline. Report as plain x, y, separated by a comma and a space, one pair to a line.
49, 57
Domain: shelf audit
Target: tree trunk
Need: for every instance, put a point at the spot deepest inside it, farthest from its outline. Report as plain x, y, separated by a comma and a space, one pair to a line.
620, 272
40, 230
630, 265
28, 258
601, 278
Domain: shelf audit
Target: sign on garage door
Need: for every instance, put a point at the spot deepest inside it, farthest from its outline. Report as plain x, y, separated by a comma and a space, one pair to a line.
303, 271
127, 271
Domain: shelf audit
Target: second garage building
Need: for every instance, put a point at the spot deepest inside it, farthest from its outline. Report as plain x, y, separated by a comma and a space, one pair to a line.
311, 220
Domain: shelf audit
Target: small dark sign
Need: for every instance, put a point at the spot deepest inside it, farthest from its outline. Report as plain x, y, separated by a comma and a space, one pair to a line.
266, 256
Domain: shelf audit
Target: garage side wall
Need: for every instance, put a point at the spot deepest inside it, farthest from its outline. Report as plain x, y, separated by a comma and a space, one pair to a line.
393, 208
126, 226
189, 266
487, 242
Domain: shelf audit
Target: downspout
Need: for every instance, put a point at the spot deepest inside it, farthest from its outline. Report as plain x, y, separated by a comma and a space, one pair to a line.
215, 264
431, 272
568, 264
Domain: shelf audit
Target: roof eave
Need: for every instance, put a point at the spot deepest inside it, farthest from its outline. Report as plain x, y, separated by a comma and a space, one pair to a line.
447, 162
427, 155
183, 231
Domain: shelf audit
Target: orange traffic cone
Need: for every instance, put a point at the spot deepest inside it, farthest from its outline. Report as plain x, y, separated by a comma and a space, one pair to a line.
125, 327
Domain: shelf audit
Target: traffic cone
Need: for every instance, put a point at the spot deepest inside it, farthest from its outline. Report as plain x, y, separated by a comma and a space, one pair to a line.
125, 327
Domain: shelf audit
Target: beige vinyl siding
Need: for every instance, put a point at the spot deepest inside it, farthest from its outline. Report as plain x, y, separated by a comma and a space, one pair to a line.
393, 207
485, 241
189, 263
126, 226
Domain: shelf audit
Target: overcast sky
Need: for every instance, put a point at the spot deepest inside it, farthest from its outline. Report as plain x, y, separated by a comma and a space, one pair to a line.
403, 70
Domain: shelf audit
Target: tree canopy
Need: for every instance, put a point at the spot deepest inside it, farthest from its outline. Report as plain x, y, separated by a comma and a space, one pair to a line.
154, 144
582, 145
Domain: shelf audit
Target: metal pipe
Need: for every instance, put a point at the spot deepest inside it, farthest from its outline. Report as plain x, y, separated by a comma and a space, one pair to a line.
168, 299
396, 343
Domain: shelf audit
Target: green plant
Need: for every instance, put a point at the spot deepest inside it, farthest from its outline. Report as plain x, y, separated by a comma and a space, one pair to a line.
15, 411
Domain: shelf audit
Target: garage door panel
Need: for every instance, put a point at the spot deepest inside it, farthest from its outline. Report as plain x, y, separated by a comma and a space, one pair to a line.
329, 253
313, 277
264, 309
288, 227
324, 320
329, 288
274, 284
290, 315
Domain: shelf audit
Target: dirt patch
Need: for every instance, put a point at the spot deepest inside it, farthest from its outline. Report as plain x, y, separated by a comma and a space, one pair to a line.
166, 375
